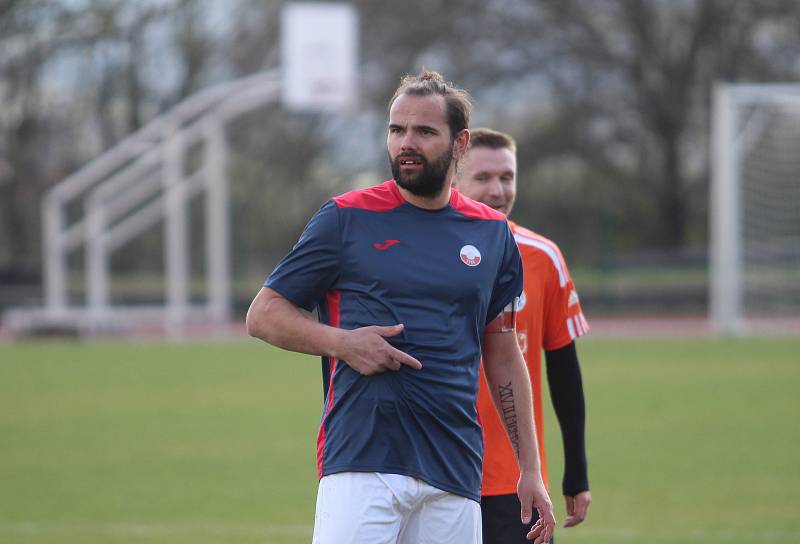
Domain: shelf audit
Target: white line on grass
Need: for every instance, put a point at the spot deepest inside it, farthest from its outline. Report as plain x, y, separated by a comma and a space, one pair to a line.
156, 529
638, 535
140, 529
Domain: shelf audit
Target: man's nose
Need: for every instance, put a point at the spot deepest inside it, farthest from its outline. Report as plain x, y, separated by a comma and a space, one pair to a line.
408, 142
495, 187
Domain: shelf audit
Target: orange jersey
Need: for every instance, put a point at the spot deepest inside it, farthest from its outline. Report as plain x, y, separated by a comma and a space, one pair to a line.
549, 317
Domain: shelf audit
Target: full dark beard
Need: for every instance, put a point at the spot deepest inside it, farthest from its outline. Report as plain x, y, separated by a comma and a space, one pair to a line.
431, 178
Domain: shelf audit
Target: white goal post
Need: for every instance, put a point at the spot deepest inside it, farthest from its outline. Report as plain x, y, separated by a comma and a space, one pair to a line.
755, 208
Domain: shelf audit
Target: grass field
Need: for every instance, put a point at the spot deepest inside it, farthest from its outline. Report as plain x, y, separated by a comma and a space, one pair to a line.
689, 441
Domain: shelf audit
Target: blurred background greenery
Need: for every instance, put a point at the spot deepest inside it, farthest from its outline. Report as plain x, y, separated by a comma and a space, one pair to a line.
609, 101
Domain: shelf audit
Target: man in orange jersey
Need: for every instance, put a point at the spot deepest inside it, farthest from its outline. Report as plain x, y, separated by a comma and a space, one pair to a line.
549, 317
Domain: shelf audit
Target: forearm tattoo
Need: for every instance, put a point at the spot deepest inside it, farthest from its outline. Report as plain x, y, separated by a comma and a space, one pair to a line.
509, 415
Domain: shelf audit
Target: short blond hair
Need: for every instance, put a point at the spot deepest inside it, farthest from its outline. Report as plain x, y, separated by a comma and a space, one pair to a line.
493, 139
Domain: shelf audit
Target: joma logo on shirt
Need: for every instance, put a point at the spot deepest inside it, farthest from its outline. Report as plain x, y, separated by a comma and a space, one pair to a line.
386, 244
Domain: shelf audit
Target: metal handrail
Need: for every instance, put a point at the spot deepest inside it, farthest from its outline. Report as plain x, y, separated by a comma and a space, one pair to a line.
122, 195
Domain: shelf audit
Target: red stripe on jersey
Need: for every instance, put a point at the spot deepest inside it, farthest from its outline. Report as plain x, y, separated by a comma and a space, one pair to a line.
334, 300
380, 198
472, 209
478, 415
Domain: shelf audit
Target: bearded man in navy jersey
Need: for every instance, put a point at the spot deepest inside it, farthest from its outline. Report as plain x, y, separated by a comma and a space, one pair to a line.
413, 283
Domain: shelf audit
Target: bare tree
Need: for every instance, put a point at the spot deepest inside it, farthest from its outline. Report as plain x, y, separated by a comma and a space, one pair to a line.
631, 82
71, 75
609, 100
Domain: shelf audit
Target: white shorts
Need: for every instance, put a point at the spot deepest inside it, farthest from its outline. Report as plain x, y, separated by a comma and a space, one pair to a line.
378, 508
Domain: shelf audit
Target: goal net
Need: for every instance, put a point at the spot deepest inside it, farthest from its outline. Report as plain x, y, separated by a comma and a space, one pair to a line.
755, 215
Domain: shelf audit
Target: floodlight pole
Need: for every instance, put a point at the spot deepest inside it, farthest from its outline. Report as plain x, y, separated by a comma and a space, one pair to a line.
97, 276
217, 220
725, 296
177, 242
55, 274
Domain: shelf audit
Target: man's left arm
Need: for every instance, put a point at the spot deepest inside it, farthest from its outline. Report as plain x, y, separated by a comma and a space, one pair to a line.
507, 377
566, 393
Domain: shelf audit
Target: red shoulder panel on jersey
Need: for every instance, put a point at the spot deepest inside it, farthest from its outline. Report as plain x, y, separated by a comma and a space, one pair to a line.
473, 209
380, 198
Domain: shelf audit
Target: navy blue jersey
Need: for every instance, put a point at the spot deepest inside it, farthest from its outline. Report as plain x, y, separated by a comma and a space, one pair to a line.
369, 257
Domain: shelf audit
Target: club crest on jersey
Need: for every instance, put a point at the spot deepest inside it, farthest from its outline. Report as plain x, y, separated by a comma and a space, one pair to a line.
470, 255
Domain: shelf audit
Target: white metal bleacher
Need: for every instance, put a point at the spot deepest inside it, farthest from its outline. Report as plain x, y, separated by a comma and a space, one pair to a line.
128, 189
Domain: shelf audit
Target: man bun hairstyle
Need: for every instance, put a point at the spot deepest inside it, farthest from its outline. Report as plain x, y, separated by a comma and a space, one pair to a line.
493, 139
430, 83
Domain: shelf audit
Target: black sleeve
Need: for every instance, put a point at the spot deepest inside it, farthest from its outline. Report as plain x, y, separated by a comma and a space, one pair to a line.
566, 392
